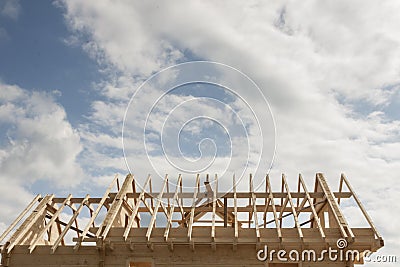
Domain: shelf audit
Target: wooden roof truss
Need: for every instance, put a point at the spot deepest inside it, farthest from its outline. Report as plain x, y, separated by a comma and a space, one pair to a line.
178, 217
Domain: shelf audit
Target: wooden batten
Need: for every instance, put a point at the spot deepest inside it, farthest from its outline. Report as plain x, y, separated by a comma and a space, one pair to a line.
164, 218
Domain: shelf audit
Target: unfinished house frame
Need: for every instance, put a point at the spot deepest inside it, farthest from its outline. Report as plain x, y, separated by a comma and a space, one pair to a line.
174, 227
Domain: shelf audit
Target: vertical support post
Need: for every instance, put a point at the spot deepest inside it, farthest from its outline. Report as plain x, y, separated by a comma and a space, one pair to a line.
225, 212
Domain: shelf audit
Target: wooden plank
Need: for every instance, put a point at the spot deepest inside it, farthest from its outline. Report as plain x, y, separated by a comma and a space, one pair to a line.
255, 218
189, 195
34, 242
69, 224
303, 202
266, 206
339, 218
115, 208
316, 218
27, 224
181, 201
136, 209
19, 218
283, 206
153, 217
134, 201
168, 200
190, 226
148, 207
298, 199
214, 206
250, 196
151, 191
96, 212
278, 229
340, 188
296, 219
225, 212
220, 209
171, 211
164, 209
361, 206
235, 208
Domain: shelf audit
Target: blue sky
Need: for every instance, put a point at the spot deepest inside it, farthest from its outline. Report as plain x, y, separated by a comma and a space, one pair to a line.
329, 73
35, 56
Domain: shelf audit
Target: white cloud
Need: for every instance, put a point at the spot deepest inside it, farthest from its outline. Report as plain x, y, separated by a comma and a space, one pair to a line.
305, 56
142, 54
41, 144
38, 144
10, 9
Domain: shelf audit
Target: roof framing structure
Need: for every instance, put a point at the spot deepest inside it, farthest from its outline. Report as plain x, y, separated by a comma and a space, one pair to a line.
178, 217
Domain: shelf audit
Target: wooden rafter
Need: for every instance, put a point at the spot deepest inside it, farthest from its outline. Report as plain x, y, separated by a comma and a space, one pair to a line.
314, 213
214, 207
125, 206
136, 209
69, 224
278, 228
35, 241
254, 204
196, 191
19, 218
94, 214
171, 211
158, 203
283, 206
235, 209
115, 207
29, 222
334, 207
361, 206
296, 219
266, 206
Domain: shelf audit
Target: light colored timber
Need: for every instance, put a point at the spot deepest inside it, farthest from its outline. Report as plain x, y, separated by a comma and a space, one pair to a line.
296, 219
220, 209
253, 200
49, 224
339, 217
68, 226
235, 208
190, 226
283, 206
28, 223
360, 205
314, 213
131, 231
171, 211
115, 207
266, 206
19, 218
96, 212
132, 195
214, 207
278, 228
136, 209
276, 194
158, 202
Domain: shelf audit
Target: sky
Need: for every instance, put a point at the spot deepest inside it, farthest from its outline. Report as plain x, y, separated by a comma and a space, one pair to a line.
283, 87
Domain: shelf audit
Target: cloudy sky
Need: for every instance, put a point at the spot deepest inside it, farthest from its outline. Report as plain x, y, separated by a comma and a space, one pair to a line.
317, 80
